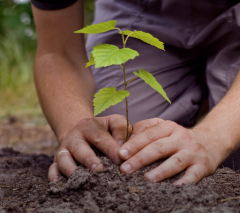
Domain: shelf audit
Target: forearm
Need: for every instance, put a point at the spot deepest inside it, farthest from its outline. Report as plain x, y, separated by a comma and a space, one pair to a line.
220, 128
65, 91
64, 86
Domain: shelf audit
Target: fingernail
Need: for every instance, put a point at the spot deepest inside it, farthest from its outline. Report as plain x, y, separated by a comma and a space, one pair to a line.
132, 136
93, 167
127, 168
121, 142
151, 177
124, 153
54, 180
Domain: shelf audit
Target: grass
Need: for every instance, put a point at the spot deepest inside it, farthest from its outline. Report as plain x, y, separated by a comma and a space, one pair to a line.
18, 95
17, 90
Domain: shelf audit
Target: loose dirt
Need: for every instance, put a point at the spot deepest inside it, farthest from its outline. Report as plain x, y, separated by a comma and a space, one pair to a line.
24, 186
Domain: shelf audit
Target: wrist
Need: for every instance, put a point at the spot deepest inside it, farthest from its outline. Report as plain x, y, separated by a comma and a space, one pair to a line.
215, 141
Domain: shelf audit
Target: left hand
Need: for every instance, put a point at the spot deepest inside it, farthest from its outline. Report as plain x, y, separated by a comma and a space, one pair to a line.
155, 139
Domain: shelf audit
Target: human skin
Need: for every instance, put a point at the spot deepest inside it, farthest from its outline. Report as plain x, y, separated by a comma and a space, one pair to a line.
66, 90
199, 150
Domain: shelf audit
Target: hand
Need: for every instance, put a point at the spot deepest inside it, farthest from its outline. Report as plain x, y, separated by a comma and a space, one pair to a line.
90, 131
155, 139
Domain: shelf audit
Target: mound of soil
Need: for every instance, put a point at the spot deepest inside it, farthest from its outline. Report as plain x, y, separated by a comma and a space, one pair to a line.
24, 188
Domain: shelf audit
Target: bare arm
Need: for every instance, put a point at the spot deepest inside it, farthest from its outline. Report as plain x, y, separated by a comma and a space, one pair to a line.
64, 86
66, 89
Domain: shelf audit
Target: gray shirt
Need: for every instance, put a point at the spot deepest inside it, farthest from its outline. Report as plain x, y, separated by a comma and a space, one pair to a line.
201, 60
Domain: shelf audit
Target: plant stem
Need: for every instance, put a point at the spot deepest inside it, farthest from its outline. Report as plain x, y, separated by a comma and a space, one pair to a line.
125, 85
132, 80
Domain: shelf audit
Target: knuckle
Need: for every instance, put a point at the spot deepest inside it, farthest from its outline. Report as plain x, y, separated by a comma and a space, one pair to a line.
159, 147
60, 156
140, 160
156, 121
85, 122
197, 177
150, 135
171, 124
117, 116
184, 135
179, 161
86, 160
137, 125
98, 136
198, 148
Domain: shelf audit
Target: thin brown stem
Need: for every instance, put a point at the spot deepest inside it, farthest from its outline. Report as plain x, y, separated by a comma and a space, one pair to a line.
231, 198
132, 79
125, 87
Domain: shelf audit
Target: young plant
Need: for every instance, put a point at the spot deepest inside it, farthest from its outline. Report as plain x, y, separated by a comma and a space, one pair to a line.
104, 55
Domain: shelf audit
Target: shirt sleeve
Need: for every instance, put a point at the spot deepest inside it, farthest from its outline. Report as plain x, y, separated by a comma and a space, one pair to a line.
52, 4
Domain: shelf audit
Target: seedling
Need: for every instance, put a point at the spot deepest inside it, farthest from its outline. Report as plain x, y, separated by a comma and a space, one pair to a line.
104, 55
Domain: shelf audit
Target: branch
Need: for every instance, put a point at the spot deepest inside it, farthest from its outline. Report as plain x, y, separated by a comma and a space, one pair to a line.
132, 80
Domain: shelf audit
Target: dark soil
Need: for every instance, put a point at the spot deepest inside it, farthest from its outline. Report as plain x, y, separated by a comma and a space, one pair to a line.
24, 188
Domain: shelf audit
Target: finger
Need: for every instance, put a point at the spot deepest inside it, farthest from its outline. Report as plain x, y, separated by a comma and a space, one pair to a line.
98, 136
83, 153
53, 172
192, 175
65, 163
142, 125
149, 154
146, 137
118, 127
170, 167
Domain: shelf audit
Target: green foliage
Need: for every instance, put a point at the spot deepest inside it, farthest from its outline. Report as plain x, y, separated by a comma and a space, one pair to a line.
107, 55
88, 11
98, 28
152, 82
146, 37
91, 61
18, 42
104, 55
107, 97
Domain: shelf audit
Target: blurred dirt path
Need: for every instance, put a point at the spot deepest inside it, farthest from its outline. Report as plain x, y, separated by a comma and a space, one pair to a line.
28, 135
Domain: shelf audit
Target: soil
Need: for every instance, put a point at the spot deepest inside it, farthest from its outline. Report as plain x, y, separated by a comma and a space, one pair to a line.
24, 186
27, 135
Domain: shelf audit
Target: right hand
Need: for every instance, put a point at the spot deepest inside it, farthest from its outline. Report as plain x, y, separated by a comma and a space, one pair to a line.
106, 133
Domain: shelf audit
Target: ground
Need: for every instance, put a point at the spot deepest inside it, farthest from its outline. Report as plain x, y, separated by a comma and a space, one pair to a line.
24, 186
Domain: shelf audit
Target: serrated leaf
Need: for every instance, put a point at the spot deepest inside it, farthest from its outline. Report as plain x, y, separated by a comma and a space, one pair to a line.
152, 82
98, 28
107, 97
107, 55
91, 61
146, 37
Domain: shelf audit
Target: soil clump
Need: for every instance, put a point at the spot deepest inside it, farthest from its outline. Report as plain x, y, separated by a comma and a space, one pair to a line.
24, 187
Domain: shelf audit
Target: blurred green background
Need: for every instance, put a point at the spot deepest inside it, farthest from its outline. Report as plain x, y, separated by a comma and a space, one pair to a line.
18, 42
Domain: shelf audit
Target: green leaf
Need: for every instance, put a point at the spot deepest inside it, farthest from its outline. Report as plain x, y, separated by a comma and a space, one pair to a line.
146, 37
91, 61
152, 82
107, 97
107, 55
98, 28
